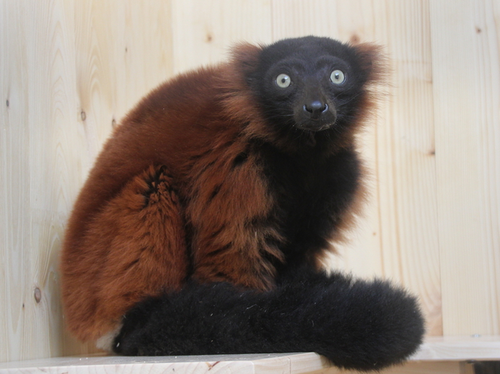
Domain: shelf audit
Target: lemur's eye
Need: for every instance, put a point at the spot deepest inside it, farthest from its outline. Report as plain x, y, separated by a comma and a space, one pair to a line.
283, 81
337, 77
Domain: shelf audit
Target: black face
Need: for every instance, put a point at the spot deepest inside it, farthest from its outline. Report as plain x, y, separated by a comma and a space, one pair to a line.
309, 84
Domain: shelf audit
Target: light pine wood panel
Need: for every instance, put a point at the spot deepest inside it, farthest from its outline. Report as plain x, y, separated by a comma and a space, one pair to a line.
406, 177
295, 18
70, 70
204, 31
118, 60
459, 348
466, 76
42, 35
14, 181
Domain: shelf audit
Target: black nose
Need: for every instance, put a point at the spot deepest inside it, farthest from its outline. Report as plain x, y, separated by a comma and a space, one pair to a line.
316, 107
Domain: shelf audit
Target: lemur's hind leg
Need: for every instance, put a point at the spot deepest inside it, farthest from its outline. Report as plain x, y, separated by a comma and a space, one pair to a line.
136, 249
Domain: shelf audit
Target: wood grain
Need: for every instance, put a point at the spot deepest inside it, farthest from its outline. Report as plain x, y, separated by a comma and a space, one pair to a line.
468, 162
14, 181
243, 364
406, 176
459, 348
204, 31
65, 79
294, 18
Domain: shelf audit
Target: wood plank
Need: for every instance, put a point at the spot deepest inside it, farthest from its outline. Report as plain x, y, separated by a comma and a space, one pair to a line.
67, 78
14, 180
118, 62
295, 18
141, 47
45, 43
244, 364
459, 348
406, 161
466, 97
436, 355
204, 31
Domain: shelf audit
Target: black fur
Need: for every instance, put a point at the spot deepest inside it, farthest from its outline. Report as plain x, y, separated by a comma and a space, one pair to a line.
356, 324
312, 193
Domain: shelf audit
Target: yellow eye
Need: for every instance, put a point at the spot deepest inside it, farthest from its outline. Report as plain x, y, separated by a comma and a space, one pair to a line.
283, 81
337, 77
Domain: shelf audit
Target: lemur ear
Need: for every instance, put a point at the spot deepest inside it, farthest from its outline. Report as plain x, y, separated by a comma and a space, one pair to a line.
246, 58
372, 62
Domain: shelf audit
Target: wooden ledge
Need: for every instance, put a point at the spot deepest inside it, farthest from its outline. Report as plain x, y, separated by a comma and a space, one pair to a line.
434, 349
245, 364
459, 348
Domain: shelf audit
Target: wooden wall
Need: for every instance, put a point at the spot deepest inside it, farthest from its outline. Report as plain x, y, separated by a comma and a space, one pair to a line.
70, 69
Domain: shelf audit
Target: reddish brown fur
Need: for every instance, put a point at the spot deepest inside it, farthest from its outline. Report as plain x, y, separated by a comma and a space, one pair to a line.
114, 252
125, 237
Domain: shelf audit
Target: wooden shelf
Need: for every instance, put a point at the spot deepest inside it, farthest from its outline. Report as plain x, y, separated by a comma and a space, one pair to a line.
459, 348
244, 364
434, 349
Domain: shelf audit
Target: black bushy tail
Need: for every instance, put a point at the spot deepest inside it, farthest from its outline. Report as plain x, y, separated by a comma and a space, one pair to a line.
356, 324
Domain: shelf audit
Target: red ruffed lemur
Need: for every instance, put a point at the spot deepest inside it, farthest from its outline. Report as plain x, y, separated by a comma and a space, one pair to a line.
202, 224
